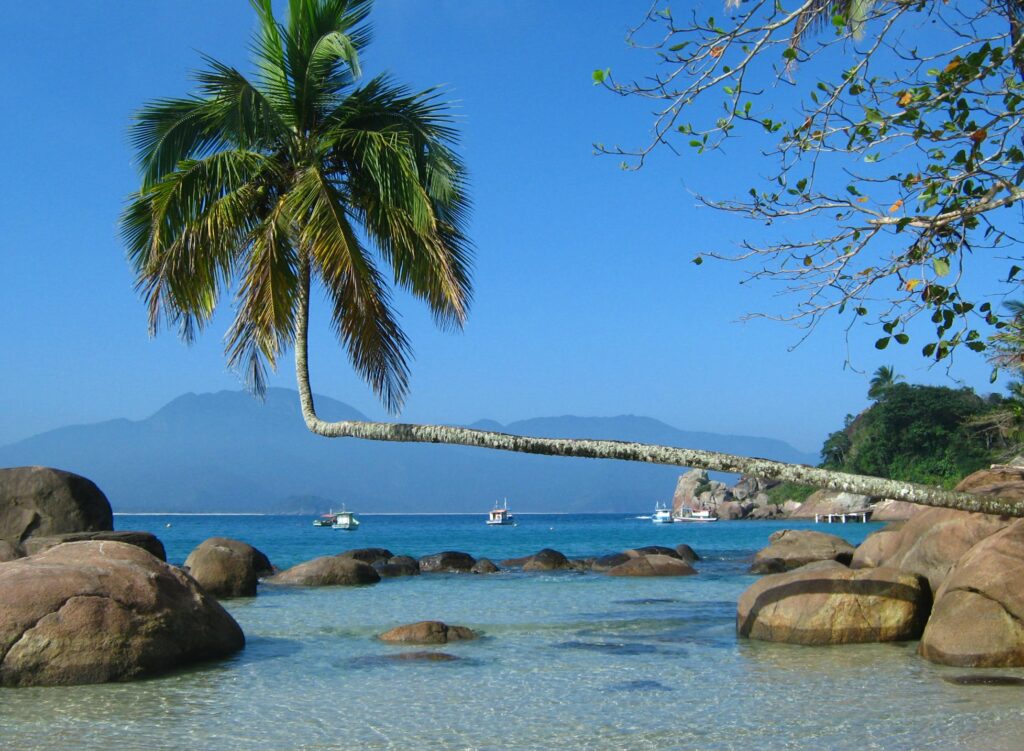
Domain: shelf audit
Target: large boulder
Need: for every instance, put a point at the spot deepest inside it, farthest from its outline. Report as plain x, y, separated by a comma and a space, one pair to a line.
730, 510
606, 562
828, 603
877, 547
449, 561
931, 542
792, 548
428, 632
546, 560
653, 565
978, 619
90, 612
145, 540
327, 571
688, 489
830, 502
45, 501
686, 553
228, 568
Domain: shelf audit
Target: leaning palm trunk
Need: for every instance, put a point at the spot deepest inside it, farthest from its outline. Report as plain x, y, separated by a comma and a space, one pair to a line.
622, 450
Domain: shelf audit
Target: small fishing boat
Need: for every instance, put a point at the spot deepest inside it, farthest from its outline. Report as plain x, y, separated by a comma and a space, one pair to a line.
500, 516
695, 515
325, 520
662, 514
345, 520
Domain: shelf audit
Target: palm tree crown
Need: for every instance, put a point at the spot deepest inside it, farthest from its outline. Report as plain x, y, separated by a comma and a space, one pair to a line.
883, 380
303, 173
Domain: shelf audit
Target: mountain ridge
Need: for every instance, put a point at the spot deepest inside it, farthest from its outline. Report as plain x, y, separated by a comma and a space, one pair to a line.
225, 451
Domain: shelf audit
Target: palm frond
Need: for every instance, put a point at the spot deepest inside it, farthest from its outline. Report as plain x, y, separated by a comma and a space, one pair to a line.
264, 323
362, 314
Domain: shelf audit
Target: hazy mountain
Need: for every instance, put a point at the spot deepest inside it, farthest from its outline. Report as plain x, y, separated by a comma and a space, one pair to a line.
230, 452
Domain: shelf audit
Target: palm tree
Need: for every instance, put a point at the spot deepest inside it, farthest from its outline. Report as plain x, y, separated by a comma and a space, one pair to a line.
276, 182
304, 175
883, 380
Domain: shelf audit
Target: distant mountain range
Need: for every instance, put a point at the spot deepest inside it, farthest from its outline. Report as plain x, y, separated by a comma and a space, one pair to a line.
230, 452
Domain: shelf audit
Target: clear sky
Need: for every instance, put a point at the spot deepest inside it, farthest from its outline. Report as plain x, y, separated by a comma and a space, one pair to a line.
586, 300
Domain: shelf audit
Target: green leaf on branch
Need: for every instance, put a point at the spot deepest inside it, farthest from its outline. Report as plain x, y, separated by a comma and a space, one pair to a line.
882, 343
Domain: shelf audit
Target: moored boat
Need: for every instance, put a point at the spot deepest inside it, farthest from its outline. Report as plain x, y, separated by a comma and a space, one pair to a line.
695, 515
500, 516
345, 520
325, 520
662, 514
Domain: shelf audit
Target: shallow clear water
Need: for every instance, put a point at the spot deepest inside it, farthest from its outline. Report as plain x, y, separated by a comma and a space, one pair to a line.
569, 660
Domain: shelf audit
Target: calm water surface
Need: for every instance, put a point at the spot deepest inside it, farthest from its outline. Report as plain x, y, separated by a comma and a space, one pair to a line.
568, 661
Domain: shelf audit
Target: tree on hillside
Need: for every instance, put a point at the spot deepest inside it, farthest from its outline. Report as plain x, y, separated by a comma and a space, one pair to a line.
882, 380
306, 178
893, 158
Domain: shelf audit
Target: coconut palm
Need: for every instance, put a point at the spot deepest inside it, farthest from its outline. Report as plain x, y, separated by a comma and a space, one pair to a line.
301, 175
305, 176
883, 380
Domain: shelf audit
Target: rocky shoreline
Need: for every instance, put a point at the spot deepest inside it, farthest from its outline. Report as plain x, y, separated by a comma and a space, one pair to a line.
88, 604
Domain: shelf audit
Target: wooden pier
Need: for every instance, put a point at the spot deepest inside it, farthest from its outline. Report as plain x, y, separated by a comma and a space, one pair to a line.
851, 516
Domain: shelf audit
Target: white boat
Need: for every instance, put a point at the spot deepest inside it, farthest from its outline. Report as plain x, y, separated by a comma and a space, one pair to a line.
500, 516
695, 515
662, 514
345, 520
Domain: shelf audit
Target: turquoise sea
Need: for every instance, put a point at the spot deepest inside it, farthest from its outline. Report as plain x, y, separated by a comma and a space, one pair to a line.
568, 660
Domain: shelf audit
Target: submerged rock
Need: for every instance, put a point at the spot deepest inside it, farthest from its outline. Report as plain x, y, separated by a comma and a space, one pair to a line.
449, 561
653, 565
38, 501
978, 619
428, 632
828, 603
91, 612
792, 548
327, 571
227, 568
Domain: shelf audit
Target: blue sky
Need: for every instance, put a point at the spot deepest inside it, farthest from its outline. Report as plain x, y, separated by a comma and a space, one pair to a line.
586, 300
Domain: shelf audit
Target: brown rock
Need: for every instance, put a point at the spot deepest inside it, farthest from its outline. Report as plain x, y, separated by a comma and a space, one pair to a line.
877, 547
932, 542
428, 632
368, 555
652, 550
449, 561
792, 548
830, 502
9, 551
327, 571
827, 603
546, 560
653, 565
978, 619
90, 612
686, 553
889, 510
606, 562
398, 565
730, 510
227, 568
45, 501
484, 566
144, 540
